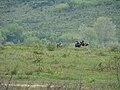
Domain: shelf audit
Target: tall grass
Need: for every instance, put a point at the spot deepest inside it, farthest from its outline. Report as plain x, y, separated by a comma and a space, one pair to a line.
94, 66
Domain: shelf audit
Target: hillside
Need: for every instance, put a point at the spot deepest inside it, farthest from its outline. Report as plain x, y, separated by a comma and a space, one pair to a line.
54, 20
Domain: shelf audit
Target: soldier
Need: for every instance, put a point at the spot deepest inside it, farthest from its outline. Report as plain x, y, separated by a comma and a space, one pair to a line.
59, 44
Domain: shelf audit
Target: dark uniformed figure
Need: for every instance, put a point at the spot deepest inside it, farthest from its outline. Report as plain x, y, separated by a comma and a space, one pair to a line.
59, 44
81, 43
78, 43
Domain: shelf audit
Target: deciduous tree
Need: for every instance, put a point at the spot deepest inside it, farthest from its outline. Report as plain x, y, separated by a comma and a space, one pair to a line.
106, 31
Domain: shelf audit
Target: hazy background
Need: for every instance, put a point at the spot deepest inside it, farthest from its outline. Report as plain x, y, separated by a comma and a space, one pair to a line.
45, 21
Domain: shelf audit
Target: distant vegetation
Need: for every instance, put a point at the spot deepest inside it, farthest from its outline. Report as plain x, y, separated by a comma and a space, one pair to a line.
46, 21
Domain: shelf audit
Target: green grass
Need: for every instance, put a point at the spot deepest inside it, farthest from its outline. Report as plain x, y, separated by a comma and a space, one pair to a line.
37, 64
61, 64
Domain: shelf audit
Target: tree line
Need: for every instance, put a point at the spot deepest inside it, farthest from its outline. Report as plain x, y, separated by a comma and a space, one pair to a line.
103, 33
45, 21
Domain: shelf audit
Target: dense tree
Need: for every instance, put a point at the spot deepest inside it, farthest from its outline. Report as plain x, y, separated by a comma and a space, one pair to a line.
31, 40
105, 30
62, 6
13, 33
1, 38
55, 20
68, 37
88, 34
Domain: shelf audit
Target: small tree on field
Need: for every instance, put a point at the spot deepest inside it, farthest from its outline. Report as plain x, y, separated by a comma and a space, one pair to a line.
1, 38
106, 31
13, 33
88, 34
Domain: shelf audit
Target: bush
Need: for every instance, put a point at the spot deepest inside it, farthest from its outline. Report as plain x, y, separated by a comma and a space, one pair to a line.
2, 48
115, 48
62, 6
51, 47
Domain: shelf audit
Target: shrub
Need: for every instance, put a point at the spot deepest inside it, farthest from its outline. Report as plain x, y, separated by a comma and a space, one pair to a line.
115, 48
61, 6
2, 47
64, 55
51, 47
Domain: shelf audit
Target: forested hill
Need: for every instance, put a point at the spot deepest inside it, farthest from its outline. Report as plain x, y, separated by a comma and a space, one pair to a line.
34, 21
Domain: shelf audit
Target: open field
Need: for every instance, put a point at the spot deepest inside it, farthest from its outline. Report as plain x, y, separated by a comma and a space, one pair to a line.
30, 30
40, 65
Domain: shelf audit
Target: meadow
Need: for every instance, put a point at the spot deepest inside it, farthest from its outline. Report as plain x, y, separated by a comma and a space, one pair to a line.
95, 68
30, 60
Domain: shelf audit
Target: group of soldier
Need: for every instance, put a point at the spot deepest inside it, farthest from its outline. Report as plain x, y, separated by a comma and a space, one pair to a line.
81, 43
77, 44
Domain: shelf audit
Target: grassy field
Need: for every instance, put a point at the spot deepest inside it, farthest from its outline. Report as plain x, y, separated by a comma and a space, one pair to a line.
34, 63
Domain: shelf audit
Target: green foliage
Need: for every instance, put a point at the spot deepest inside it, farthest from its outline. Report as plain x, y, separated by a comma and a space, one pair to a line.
105, 30
64, 55
61, 6
51, 47
69, 37
35, 63
65, 64
81, 1
1, 38
13, 33
91, 2
52, 20
3, 34
31, 40
118, 88
115, 48
103, 33
88, 34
